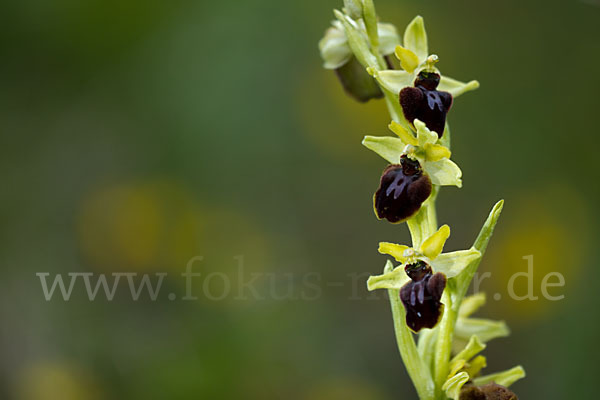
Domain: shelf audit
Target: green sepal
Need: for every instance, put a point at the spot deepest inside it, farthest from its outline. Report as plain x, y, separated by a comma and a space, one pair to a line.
505, 378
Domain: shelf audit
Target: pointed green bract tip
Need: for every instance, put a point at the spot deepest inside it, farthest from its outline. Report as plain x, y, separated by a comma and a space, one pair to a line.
488, 227
338, 14
389, 266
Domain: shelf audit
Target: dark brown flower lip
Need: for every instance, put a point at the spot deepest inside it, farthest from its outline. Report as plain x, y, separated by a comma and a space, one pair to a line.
402, 189
421, 296
425, 103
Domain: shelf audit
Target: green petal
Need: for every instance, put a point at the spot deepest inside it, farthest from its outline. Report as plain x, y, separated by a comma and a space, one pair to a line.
406, 136
424, 135
453, 263
388, 147
454, 384
415, 38
456, 366
456, 88
476, 365
471, 304
505, 378
434, 244
394, 250
391, 280
471, 349
393, 80
443, 172
388, 38
436, 152
485, 329
334, 48
408, 60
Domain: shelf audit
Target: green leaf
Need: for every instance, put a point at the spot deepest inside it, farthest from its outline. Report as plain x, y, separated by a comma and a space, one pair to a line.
488, 227
464, 279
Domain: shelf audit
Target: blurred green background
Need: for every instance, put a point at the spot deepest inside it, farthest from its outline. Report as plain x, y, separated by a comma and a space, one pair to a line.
139, 134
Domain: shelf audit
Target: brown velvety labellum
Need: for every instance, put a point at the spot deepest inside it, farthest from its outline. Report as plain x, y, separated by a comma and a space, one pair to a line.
402, 190
491, 391
425, 103
421, 296
357, 82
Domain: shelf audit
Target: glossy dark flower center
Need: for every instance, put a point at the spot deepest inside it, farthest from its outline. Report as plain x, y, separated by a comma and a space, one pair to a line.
421, 296
402, 190
425, 103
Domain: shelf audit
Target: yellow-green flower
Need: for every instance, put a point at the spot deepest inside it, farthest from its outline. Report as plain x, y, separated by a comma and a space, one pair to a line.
450, 264
433, 157
422, 276
414, 57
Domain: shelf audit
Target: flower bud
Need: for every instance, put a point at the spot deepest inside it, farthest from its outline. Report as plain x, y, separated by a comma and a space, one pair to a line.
421, 297
402, 190
354, 8
425, 103
491, 391
357, 82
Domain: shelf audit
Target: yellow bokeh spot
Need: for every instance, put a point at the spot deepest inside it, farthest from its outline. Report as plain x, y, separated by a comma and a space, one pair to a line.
342, 389
332, 120
535, 237
158, 226
52, 381
139, 226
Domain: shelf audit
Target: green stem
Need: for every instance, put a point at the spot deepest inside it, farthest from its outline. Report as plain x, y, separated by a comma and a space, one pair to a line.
417, 370
444, 343
424, 223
